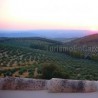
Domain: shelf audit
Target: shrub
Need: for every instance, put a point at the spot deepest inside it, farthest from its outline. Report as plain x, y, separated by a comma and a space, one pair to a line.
52, 71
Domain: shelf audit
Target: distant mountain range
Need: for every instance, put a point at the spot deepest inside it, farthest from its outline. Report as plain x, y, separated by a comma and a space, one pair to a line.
45, 33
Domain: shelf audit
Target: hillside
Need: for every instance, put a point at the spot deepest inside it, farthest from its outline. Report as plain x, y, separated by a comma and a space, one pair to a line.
64, 40
20, 56
29, 42
91, 40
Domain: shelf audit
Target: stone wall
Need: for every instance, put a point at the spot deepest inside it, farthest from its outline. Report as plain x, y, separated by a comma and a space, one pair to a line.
53, 85
9, 83
64, 85
96, 83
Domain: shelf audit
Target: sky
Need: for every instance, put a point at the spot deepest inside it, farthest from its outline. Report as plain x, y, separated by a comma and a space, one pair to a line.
49, 14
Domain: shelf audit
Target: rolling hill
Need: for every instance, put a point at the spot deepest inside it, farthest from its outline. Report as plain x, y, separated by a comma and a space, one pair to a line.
91, 40
20, 57
27, 41
64, 40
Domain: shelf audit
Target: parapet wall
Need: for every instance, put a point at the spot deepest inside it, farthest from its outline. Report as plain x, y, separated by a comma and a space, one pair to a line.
9, 83
53, 85
64, 85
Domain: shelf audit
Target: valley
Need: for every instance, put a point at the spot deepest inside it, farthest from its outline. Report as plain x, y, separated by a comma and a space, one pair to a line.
19, 57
